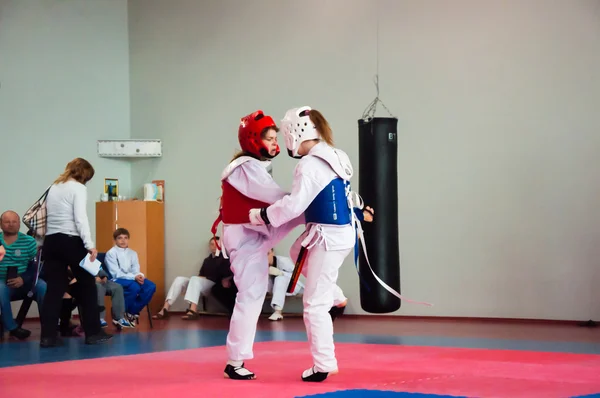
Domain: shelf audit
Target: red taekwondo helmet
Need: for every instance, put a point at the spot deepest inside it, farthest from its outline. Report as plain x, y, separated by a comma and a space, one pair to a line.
249, 133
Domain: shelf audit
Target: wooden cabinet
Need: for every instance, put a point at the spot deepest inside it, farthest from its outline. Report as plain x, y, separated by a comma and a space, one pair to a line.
145, 222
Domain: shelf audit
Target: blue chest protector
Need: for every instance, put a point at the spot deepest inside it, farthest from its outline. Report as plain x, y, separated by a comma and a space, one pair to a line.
330, 206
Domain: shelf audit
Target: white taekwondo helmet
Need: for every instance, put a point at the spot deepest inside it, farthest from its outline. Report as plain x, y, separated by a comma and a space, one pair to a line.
297, 128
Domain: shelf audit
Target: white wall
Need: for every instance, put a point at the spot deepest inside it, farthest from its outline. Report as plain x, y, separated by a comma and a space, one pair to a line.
499, 131
498, 124
64, 83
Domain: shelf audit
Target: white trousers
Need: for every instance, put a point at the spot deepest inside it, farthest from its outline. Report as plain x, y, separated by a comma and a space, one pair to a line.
320, 294
192, 287
247, 248
338, 295
278, 287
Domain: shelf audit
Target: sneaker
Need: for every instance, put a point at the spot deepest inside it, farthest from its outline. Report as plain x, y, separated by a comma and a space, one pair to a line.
99, 338
133, 319
123, 323
48, 342
103, 323
20, 333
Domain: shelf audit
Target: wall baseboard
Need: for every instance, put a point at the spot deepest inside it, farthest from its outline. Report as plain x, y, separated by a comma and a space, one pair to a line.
588, 323
436, 319
470, 319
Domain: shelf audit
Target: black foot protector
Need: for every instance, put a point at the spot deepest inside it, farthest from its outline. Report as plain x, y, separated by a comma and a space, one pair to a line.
238, 373
311, 375
336, 311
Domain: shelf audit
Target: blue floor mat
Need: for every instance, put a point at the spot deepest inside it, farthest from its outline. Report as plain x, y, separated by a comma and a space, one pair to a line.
372, 394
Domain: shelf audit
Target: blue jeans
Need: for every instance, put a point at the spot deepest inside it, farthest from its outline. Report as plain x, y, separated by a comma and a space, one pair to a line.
8, 294
136, 296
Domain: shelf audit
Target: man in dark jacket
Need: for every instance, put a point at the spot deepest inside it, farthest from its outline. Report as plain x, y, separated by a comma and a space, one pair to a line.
225, 293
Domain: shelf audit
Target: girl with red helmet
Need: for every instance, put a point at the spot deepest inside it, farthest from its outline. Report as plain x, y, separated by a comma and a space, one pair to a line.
247, 184
321, 192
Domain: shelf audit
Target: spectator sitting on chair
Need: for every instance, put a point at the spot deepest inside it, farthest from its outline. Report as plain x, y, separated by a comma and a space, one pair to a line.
66, 327
214, 269
280, 274
225, 293
117, 297
20, 251
124, 266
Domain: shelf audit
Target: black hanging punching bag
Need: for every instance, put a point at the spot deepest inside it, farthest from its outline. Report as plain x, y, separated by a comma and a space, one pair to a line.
378, 186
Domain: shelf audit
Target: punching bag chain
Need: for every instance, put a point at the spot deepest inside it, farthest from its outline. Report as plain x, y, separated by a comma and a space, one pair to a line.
369, 113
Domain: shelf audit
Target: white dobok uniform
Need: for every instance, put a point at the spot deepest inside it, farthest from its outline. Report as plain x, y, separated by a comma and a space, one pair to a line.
192, 288
247, 246
278, 284
321, 191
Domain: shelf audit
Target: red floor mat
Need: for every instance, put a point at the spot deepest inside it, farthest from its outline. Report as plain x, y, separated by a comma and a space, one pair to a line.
278, 365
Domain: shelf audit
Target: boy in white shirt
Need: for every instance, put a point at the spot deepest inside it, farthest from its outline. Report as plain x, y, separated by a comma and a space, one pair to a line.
124, 268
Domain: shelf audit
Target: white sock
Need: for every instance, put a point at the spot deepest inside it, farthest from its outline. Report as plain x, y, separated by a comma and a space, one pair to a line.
235, 364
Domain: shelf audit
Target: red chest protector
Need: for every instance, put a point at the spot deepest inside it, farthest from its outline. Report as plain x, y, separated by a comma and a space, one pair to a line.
234, 207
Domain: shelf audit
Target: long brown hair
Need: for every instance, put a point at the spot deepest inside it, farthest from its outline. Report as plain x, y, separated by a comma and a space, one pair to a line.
263, 134
322, 126
78, 169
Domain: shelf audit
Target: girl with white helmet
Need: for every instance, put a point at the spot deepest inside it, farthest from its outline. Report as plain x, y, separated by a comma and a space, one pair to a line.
321, 192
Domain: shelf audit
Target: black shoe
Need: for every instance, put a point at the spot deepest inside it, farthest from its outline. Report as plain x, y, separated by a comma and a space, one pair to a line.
336, 311
69, 331
238, 373
311, 375
47, 342
99, 338
20, 333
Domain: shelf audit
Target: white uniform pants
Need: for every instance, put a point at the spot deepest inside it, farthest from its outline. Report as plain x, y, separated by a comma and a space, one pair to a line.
320, 294
278, 287
193, 287
247, 248
338, 295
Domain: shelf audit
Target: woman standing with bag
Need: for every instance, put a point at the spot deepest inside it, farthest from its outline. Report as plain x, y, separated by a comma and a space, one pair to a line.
68, 240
